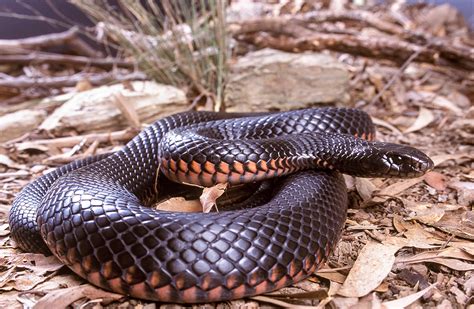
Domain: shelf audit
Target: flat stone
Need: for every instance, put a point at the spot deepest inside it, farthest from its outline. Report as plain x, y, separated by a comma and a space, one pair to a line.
274, 80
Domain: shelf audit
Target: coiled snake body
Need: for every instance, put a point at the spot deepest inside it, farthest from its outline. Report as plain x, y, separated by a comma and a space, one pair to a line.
92, 214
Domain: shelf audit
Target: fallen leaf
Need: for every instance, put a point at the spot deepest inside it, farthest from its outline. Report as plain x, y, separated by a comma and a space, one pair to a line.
458, 222
425, 117
447, 257
4, 229
465, 191
437, 160
407, 300
210, 195
365, 188
453, 264
39, 263
440, 101
279, 303
179, 204
425, 212
436, 180
62, 298
387, 125
420, 243
395, 189
375, 259
5, 160
332, 276
469, 286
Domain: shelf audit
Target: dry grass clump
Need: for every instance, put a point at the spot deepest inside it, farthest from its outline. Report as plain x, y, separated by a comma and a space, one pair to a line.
181, 43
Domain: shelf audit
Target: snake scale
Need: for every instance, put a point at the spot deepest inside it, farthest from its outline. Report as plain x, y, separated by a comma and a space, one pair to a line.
93, 214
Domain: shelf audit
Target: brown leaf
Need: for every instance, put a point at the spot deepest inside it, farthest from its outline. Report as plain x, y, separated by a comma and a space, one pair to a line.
387, 125
365, 188
407, 300
180, 204
395, 189
279, 303
64, 297
465, 191
210, 195
39, 263
425, 117
374, 259
437, 160
440, 101
436, 180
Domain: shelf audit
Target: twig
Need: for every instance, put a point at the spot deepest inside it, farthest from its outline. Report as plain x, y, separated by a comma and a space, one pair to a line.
43, 57
69, 81
376, 47
123, 135
38, 42
396, 75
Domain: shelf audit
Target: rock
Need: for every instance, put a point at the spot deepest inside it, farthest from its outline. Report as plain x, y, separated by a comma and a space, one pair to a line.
273, 80
16, 124
98, 109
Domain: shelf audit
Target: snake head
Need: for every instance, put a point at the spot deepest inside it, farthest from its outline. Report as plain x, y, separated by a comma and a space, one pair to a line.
392, 160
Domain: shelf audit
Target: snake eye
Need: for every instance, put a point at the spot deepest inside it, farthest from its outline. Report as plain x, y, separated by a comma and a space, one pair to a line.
396, 159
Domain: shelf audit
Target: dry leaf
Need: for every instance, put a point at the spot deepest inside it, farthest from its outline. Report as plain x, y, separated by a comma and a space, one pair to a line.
179, 204
425, 117
210, 195
436, 180
407, 300
395, 189
439, 101
387, 125
365, 188
465, 191
459, 222
437, 160
425, 212
39, 263
5, 160
332, 276
453, 264
64, 297
280, 303
374, 259
449, 252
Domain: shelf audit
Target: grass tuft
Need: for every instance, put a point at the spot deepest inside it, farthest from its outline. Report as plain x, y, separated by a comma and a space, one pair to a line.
181, 42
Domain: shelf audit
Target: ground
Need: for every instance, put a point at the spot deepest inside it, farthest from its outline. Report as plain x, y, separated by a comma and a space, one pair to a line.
405, 242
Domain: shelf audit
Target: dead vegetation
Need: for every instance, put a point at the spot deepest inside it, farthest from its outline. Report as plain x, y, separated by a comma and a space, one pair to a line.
406, 243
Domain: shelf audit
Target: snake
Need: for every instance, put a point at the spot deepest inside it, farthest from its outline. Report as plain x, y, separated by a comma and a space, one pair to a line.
96, 216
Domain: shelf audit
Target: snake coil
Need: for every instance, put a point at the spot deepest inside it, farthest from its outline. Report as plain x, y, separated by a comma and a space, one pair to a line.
93, 215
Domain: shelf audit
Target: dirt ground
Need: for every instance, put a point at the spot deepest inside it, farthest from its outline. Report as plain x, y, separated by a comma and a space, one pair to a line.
406, 243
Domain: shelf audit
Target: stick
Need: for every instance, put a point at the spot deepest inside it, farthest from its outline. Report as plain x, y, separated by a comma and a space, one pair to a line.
43, 57
375, 47
38, 42
69, 81
123, 135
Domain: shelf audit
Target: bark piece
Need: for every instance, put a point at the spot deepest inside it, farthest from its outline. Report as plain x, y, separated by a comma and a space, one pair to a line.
96, 110
269, 79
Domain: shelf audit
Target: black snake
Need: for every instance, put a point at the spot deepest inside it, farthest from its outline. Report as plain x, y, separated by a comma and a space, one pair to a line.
93, 215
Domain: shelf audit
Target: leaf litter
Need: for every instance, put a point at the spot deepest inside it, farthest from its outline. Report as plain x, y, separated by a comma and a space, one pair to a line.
407, 243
